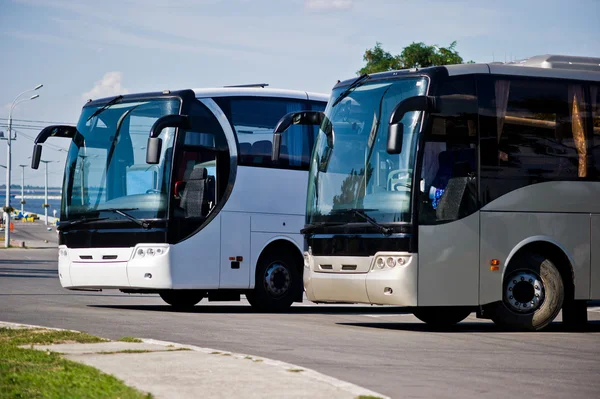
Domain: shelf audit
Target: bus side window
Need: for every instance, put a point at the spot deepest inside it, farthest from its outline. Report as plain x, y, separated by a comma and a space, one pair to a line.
537, 131
595, 140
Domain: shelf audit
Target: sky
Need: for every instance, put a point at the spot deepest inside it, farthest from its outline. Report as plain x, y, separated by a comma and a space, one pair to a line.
81, 49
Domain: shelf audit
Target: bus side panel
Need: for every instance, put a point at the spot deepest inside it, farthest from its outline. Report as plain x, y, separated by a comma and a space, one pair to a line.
504, 233
235, 242
595, 272
448, 259
195, 261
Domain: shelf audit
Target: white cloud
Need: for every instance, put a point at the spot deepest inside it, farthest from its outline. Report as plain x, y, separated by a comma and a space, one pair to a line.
321, 5
110, 85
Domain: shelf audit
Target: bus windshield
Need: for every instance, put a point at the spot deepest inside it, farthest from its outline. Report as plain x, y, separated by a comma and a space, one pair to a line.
106, 165
360, 177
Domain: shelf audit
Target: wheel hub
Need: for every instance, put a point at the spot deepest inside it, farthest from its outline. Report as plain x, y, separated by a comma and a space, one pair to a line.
277, 279
524, 292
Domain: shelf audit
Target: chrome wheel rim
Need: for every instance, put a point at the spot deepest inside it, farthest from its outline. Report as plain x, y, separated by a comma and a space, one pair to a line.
524, 292
277, 279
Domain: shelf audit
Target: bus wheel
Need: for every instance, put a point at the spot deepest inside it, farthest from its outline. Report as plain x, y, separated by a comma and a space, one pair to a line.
182, 299
277, 282
533, 294
442, 316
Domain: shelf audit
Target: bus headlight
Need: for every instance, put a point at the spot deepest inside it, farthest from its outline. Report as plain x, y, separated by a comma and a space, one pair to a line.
390, 262
379, 263
150, 251
306, 260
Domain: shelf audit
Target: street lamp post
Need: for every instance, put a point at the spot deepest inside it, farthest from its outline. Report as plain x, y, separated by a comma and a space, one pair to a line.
8, 162
23, 189
46, 192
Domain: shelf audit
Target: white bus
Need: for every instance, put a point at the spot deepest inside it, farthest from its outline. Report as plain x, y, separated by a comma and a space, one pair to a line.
175, 193
459, 188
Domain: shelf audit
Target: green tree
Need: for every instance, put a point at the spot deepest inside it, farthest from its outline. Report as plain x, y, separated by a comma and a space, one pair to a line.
416, 55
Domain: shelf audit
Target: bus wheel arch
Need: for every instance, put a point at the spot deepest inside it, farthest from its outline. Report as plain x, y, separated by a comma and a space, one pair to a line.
280, 264
542, 273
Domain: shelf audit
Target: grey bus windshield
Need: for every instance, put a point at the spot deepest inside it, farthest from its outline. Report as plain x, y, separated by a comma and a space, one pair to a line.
106, 165
360, 174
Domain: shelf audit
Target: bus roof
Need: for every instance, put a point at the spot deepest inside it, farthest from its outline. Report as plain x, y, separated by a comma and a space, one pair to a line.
546, 66
259, 92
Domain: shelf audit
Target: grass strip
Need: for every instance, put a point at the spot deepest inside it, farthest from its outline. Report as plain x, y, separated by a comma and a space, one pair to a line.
30, 373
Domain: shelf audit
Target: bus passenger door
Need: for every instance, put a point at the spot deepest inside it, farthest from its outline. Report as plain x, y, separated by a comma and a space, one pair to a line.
448, 232
235, 250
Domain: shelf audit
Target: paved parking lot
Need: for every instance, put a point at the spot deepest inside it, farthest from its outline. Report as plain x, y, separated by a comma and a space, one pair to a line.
381, 348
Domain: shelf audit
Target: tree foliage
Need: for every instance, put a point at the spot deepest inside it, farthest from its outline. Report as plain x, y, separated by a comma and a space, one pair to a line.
416, 55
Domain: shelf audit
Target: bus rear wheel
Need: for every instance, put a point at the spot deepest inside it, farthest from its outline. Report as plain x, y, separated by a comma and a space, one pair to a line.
182, 299
441, 316
533, 294
277, 282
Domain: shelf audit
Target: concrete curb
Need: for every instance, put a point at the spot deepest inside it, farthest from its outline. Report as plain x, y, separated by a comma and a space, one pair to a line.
347, 386
352, 389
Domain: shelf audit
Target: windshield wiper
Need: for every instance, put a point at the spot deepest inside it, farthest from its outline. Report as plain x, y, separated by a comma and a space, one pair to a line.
108, 104
362, 213
311, 227
359, 81
70, 223
121, 211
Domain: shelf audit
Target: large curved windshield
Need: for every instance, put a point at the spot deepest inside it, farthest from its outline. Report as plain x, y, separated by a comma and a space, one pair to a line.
359, 174
106, 165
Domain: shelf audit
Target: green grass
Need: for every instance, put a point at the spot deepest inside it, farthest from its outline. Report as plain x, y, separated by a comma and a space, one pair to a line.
29, 373
130, 339
368, 397
295, 370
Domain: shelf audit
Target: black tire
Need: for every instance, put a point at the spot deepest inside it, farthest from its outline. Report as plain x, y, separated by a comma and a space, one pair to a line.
285, 279
182, 299
547, 300
442, 316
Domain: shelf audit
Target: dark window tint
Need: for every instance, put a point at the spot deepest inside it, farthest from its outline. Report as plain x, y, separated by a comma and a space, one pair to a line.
448, 176
253, 120
595, 127
536, 131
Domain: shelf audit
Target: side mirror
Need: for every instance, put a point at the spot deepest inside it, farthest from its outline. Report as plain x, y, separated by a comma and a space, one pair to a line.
395, 138
154, 143
314, 118
153, 149
396, 128
50, 131
37, 156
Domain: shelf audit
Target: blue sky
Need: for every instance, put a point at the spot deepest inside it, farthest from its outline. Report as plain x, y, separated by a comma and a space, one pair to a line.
83, 49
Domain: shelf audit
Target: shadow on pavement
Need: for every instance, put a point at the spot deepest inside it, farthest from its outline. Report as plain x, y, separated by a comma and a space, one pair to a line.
481, 327
25, 262
247, 309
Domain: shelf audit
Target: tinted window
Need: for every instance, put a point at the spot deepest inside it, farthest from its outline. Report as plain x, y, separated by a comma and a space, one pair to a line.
536, 131
595, 142
449, 169
253, 120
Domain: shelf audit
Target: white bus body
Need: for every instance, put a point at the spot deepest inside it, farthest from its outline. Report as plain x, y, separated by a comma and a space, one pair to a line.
247, 233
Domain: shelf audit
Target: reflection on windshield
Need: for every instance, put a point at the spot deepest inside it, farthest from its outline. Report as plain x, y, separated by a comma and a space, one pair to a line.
360, 174
106, 167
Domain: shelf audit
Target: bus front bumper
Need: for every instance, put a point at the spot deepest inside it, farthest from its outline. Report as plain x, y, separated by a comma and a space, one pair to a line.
394, 283
143, 266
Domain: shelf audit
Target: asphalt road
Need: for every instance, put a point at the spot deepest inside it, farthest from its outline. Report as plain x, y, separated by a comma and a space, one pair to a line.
383, 349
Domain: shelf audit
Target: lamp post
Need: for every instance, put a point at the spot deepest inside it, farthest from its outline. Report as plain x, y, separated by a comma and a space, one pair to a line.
8, 162
23, 189
46, 192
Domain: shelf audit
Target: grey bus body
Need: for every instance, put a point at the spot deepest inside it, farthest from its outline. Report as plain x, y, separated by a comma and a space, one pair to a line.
461, 188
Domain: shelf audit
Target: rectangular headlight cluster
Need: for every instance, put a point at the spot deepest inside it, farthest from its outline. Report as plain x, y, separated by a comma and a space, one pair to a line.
390, 261
150, 251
